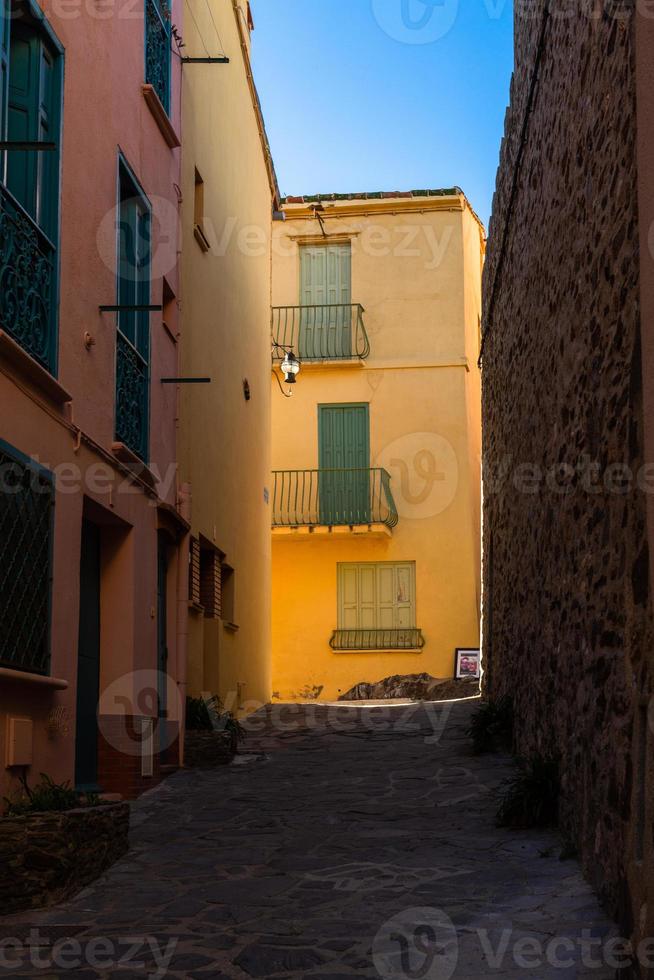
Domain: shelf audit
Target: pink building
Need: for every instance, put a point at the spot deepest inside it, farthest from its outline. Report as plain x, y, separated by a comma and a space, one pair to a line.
93, 535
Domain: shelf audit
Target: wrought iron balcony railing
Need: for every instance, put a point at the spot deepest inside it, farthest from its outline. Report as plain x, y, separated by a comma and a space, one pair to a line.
158, 49
132, 397
311, 498
322, 333
397, 639
28, 295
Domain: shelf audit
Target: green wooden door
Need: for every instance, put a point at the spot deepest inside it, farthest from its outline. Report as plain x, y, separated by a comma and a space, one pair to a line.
88, 660
326, 292
344, 461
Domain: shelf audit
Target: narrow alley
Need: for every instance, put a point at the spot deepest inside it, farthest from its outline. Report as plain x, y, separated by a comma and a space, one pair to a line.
343, 842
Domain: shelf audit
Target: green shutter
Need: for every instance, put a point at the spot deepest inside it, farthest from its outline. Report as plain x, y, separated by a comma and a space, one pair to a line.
348, 597
405, 602
326, 287
47, 164
4, 67
133, 336
367, 612
134, 264
344, 461
23, 114
34, 85
376, 596
386, 575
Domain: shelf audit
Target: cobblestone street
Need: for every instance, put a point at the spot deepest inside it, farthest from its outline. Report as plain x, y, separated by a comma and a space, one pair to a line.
341, 844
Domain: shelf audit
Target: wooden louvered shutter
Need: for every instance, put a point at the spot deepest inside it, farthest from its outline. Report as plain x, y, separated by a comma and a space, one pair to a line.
194, 572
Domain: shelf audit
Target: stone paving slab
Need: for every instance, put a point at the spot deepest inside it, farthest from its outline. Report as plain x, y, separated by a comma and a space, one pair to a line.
347, 842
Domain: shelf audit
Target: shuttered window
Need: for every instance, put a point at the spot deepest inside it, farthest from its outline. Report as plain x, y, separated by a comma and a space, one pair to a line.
210, 583
133, 334
194, 572
376, 596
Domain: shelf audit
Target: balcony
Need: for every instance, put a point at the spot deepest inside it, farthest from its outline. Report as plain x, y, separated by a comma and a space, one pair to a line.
27, 283
393, 639
132, 397
158, 49
333, 332
352, 500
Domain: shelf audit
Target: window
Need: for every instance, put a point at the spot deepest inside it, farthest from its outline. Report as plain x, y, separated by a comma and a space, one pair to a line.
227, 590
198, 213
133, 334
26, 516
326, 299
194, 572
30, 111
158, 49
210, 582
377, 606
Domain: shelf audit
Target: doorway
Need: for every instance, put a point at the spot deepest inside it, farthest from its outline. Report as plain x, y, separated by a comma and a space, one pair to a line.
344, 462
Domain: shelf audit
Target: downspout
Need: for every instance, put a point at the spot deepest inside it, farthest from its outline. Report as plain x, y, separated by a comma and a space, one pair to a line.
184, 508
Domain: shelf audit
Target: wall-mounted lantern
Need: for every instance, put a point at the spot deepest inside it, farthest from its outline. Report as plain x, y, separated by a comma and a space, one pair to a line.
290, 367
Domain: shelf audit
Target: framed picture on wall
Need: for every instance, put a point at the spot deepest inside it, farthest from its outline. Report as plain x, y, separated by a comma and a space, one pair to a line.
467, 663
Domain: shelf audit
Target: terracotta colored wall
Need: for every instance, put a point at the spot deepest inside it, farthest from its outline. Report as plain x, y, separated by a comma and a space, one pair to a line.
104, 111
567, 594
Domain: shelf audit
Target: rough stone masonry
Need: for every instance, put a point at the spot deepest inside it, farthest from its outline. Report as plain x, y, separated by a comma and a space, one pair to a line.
568, 626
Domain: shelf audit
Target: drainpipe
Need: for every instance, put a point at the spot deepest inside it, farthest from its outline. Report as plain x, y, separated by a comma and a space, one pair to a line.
184, 507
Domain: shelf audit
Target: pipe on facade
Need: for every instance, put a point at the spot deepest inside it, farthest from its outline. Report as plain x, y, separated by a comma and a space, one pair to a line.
184, 501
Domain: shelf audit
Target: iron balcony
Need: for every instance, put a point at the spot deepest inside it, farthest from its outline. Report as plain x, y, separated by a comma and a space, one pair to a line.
332, 332
408, 638
330, 498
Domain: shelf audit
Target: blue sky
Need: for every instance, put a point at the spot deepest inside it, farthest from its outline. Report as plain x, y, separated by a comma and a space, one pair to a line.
367, 95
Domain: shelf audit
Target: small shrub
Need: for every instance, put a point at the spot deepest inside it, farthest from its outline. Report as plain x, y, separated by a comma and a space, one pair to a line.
47, 797
207, 715
530, 798
201, 713
491, 726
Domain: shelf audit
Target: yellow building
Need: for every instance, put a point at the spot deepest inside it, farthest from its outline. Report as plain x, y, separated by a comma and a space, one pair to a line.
229, 192
375, 491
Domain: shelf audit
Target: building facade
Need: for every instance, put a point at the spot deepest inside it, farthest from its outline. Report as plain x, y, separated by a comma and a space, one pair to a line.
567, 407
93, 567
375, 487
229, 191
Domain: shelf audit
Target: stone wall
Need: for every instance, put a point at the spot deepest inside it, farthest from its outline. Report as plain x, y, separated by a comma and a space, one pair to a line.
567, 626
46, 857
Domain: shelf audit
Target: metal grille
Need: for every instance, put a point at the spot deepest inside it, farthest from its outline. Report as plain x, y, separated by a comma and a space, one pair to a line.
26, 509
332, 497
132, 391
398, 639
27, 282
331, 332
158, 49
